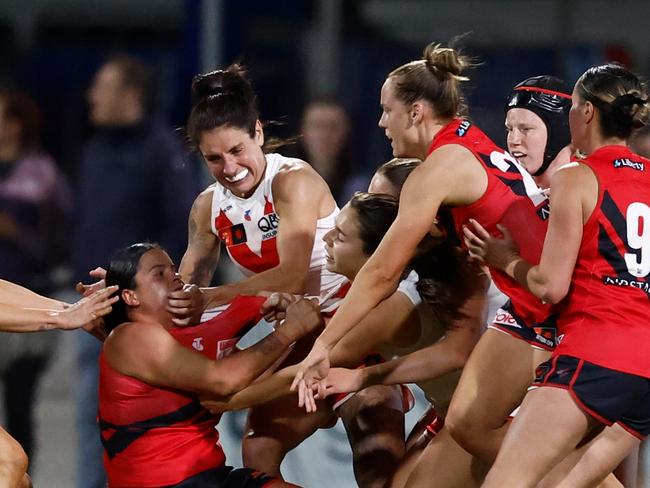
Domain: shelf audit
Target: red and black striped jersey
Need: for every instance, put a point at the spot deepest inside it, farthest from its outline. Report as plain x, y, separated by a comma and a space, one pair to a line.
603, 318
156, 436
513, 199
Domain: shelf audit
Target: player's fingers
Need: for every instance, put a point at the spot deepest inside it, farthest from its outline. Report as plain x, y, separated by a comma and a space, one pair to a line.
470, 236
479, 230
297, 379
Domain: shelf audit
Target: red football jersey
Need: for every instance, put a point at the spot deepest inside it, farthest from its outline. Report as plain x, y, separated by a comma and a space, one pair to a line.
513, 199
157, 436
603, 318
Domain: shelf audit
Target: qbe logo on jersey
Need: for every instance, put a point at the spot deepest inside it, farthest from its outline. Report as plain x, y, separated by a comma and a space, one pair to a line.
268, 225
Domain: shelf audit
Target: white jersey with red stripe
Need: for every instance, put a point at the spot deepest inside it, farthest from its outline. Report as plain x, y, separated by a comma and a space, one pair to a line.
249, 227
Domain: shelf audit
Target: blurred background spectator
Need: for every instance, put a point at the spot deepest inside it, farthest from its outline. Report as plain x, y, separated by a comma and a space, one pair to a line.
325, 143
34, 229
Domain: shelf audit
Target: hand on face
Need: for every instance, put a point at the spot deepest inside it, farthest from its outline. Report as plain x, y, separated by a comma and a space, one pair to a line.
186, 305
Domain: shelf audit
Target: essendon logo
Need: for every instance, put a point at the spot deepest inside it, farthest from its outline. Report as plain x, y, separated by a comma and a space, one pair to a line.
233, 235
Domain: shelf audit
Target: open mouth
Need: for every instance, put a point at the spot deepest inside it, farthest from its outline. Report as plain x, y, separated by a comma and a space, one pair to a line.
519, 154
238, 177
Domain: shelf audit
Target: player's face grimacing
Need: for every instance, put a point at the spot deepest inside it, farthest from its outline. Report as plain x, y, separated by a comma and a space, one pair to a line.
234, 158
343, 245
396, 122
526, 139
155, 279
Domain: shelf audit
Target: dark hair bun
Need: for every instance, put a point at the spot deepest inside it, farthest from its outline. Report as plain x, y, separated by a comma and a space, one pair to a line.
229, 81
631, 109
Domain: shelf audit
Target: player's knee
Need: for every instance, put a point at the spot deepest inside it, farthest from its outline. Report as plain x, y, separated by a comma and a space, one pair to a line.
257, 449
373, 408
463, 428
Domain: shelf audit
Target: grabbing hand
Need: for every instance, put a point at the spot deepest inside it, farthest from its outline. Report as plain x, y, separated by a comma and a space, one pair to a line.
304, 315
214, 406
275, 307
186, 305
494, 251
87, 309
310, 376
342, 380
87, 290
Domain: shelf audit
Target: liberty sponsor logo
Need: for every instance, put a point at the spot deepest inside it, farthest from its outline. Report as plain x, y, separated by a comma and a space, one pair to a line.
628, 163
463, 128
505, 318
197, 343
247, 215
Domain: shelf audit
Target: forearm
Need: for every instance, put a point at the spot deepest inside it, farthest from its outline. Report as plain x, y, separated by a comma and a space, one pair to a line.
247, 365
198, 271
275, 386
425, 364
21, 319
367, 291
13, 294
276, 279
530, 277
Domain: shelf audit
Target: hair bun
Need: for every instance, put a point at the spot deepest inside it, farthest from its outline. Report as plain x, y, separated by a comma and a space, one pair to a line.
221, 82
444, 61
628, 100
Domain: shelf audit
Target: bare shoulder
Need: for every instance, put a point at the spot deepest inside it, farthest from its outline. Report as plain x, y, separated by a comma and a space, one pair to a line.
202, 209
452, 156
573, 173
133, 336
295, 176
204, 199
295, 170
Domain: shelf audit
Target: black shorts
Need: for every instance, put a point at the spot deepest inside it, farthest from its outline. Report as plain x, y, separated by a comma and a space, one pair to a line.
542, 335
228, 477
607, 395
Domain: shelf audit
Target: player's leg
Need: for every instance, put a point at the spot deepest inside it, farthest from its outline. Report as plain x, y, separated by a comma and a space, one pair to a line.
493, 384
548, 426
374, 421
444, 464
